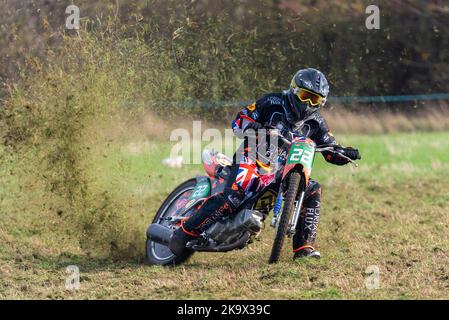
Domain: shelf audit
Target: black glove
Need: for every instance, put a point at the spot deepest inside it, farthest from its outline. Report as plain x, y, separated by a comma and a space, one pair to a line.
254, 126
352, 153
337, 159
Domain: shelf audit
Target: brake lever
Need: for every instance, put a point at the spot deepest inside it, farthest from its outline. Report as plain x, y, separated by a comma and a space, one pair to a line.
349, 159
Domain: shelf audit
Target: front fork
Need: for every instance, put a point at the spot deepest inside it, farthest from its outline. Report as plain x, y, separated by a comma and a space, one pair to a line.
277, 208
294, 219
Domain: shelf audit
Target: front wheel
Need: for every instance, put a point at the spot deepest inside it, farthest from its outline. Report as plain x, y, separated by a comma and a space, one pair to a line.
283, 224
160, 254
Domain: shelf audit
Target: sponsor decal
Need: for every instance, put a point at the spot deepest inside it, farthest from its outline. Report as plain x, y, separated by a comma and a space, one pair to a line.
267, 200
190, 203
255, 115
307, 84
251, 107
181, 203
236, 202
274, 100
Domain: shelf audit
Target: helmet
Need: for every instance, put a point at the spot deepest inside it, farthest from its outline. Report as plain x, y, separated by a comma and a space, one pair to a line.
308, 92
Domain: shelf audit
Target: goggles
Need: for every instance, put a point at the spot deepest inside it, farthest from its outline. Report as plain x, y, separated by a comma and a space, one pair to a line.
313, 98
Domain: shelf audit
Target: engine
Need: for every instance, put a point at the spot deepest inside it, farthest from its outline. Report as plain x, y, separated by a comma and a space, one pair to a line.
230, 229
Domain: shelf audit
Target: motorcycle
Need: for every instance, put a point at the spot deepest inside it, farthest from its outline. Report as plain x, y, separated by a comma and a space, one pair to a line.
281, 189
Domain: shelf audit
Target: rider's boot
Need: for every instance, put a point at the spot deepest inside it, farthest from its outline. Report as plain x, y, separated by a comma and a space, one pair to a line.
307, 252
213, 209
304, 239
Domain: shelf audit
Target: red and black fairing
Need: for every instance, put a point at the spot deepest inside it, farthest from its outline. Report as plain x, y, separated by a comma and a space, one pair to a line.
216, 164
206, 186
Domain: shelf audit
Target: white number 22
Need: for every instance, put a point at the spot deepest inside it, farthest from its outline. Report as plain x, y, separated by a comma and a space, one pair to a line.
301, 155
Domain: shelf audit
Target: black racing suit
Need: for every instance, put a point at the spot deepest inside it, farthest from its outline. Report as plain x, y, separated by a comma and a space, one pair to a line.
267, 110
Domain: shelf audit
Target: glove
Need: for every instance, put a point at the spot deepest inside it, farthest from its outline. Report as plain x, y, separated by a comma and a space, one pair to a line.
352, 153
254, 126
337, 159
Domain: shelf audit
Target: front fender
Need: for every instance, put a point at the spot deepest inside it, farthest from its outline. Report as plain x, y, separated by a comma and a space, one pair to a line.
296, 167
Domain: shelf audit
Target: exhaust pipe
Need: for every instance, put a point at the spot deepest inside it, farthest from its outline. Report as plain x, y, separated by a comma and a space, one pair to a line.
159, 233
227, 247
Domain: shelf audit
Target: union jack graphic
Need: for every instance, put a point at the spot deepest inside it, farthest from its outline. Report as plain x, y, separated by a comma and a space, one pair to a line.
247, 173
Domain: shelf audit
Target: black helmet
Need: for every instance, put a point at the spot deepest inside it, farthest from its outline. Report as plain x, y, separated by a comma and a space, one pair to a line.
308, 92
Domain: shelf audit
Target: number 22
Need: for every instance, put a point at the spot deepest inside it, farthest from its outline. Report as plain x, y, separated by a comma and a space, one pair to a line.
301, 155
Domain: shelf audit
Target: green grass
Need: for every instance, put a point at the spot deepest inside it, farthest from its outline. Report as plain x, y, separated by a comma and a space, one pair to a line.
391, 211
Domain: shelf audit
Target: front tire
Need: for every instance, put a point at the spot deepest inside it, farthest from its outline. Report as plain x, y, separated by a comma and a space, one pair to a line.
158, 254
289, 207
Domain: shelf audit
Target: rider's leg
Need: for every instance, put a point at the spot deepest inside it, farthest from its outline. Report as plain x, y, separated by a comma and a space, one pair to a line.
241, 179
304, 239
215, 207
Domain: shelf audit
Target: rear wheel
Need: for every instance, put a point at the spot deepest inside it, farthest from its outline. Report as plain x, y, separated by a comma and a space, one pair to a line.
160, 254
283, 224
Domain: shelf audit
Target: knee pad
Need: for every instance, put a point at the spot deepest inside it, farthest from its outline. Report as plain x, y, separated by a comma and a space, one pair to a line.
313, 187
234, 195
313, 194
213, 209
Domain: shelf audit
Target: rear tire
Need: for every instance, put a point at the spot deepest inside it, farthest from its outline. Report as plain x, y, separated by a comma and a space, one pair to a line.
167, 257
289, 206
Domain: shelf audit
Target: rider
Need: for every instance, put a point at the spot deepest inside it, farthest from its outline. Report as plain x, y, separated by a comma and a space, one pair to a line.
294, 110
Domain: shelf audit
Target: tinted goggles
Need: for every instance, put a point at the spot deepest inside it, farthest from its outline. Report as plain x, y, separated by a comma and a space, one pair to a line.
313, 98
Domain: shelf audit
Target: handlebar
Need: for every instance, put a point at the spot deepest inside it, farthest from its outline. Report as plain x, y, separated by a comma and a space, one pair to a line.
321, 148
275, 131
331, 148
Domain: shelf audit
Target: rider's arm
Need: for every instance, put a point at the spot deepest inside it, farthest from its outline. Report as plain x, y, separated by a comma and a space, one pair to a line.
250, 116
331, 157
323, 136
245, 119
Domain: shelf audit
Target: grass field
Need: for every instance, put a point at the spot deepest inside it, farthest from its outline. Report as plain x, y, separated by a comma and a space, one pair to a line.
391, 212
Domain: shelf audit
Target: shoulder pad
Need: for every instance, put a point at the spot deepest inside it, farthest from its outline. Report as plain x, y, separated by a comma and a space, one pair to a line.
317, 117
270, 99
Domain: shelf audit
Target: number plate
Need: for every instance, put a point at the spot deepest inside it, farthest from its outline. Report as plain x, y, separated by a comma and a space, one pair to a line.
302, 153
201, 190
